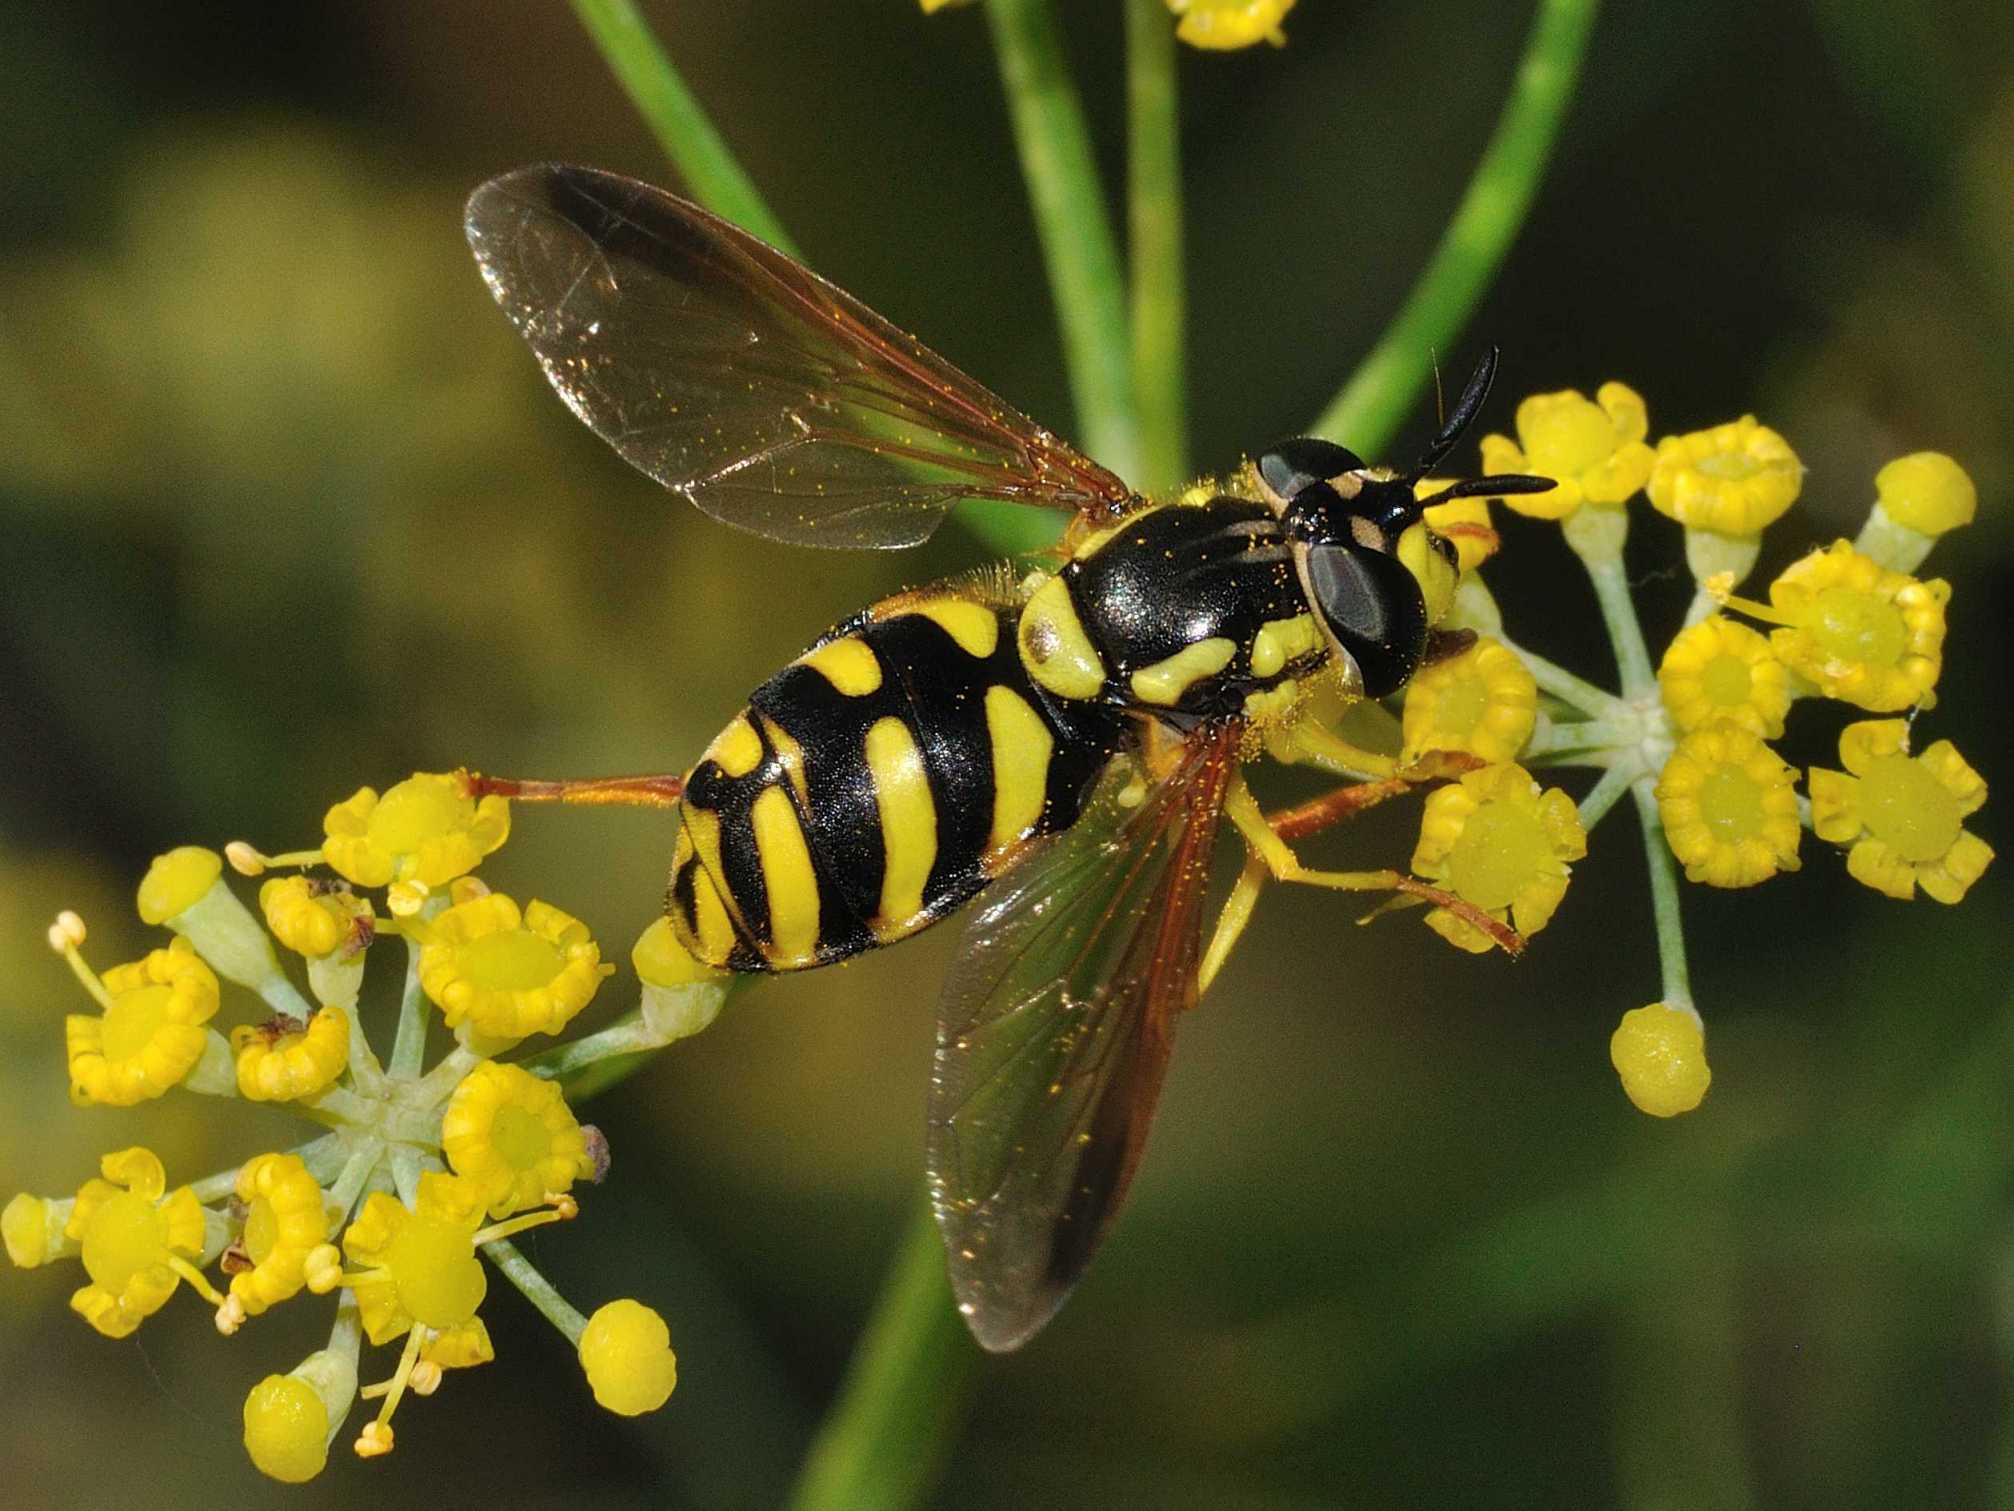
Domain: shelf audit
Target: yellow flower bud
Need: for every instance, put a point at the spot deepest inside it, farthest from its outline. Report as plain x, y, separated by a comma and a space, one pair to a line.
176, 881
32, 1227
1660, 1053
1926, 491
626, 1352
286, 1429
1225, 25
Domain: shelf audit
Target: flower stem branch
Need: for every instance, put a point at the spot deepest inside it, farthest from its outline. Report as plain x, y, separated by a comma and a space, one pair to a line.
538, 1290
409, 1042
1375, 399
1595, 702
679, 122
1155, 245
1075, 229
1605, 793
1663, 897
903, 1397
1618, 613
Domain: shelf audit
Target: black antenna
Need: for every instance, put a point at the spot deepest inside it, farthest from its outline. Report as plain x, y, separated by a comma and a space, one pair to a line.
1465, 411
1464, 414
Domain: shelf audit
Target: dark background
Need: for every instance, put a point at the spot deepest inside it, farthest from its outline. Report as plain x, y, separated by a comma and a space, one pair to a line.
286, 509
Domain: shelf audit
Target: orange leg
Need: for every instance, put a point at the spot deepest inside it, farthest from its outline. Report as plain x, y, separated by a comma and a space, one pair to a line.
635, 791
1352, 798
1271, 847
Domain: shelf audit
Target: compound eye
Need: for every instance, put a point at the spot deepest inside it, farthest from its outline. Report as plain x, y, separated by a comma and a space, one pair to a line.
1292, 465
1373, 606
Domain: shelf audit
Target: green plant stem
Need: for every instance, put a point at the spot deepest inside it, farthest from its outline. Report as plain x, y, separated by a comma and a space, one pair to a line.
1075, 229
409, 1041
1154, 243
712, 173
538, 1290
1605, 793
715, 177
1618, 613
1595, 702
1369, 407
1557, 738
1677, 982
880, 1446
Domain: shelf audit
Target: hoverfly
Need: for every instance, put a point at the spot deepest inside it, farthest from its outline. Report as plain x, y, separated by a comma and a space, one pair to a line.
1060, 746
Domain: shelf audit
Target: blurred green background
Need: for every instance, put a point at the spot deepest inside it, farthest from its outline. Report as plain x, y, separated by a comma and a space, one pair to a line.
286, 509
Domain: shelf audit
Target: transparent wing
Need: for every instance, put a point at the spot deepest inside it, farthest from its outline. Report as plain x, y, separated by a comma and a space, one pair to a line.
1053, 1038
744, 381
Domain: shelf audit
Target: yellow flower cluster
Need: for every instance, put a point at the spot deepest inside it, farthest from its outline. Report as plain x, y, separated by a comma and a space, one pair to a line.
366, 1209
1849, 622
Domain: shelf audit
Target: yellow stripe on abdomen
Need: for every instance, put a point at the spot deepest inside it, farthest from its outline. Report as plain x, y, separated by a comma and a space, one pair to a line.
737, 749
974, 626
712, 931
848, 663
788, 878
1022, 745
908, 824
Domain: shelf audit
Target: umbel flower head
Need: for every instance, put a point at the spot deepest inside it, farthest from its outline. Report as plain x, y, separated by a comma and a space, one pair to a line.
414, 1235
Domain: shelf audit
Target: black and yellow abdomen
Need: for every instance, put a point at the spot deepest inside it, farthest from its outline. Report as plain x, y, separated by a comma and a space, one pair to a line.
875, 785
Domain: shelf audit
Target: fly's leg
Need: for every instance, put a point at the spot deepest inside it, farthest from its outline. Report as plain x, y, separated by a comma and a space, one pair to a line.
1231, 921
631, 791
1309, 742
1271, 849
1312, 817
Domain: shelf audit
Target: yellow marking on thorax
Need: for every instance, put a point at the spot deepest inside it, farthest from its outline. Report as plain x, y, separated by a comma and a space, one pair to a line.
1280, 641
848, 663
908, 823
1055, 649
1095, 540
1165, 681
737, 749
1022, 745
789, 755
975, 627
788, 878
